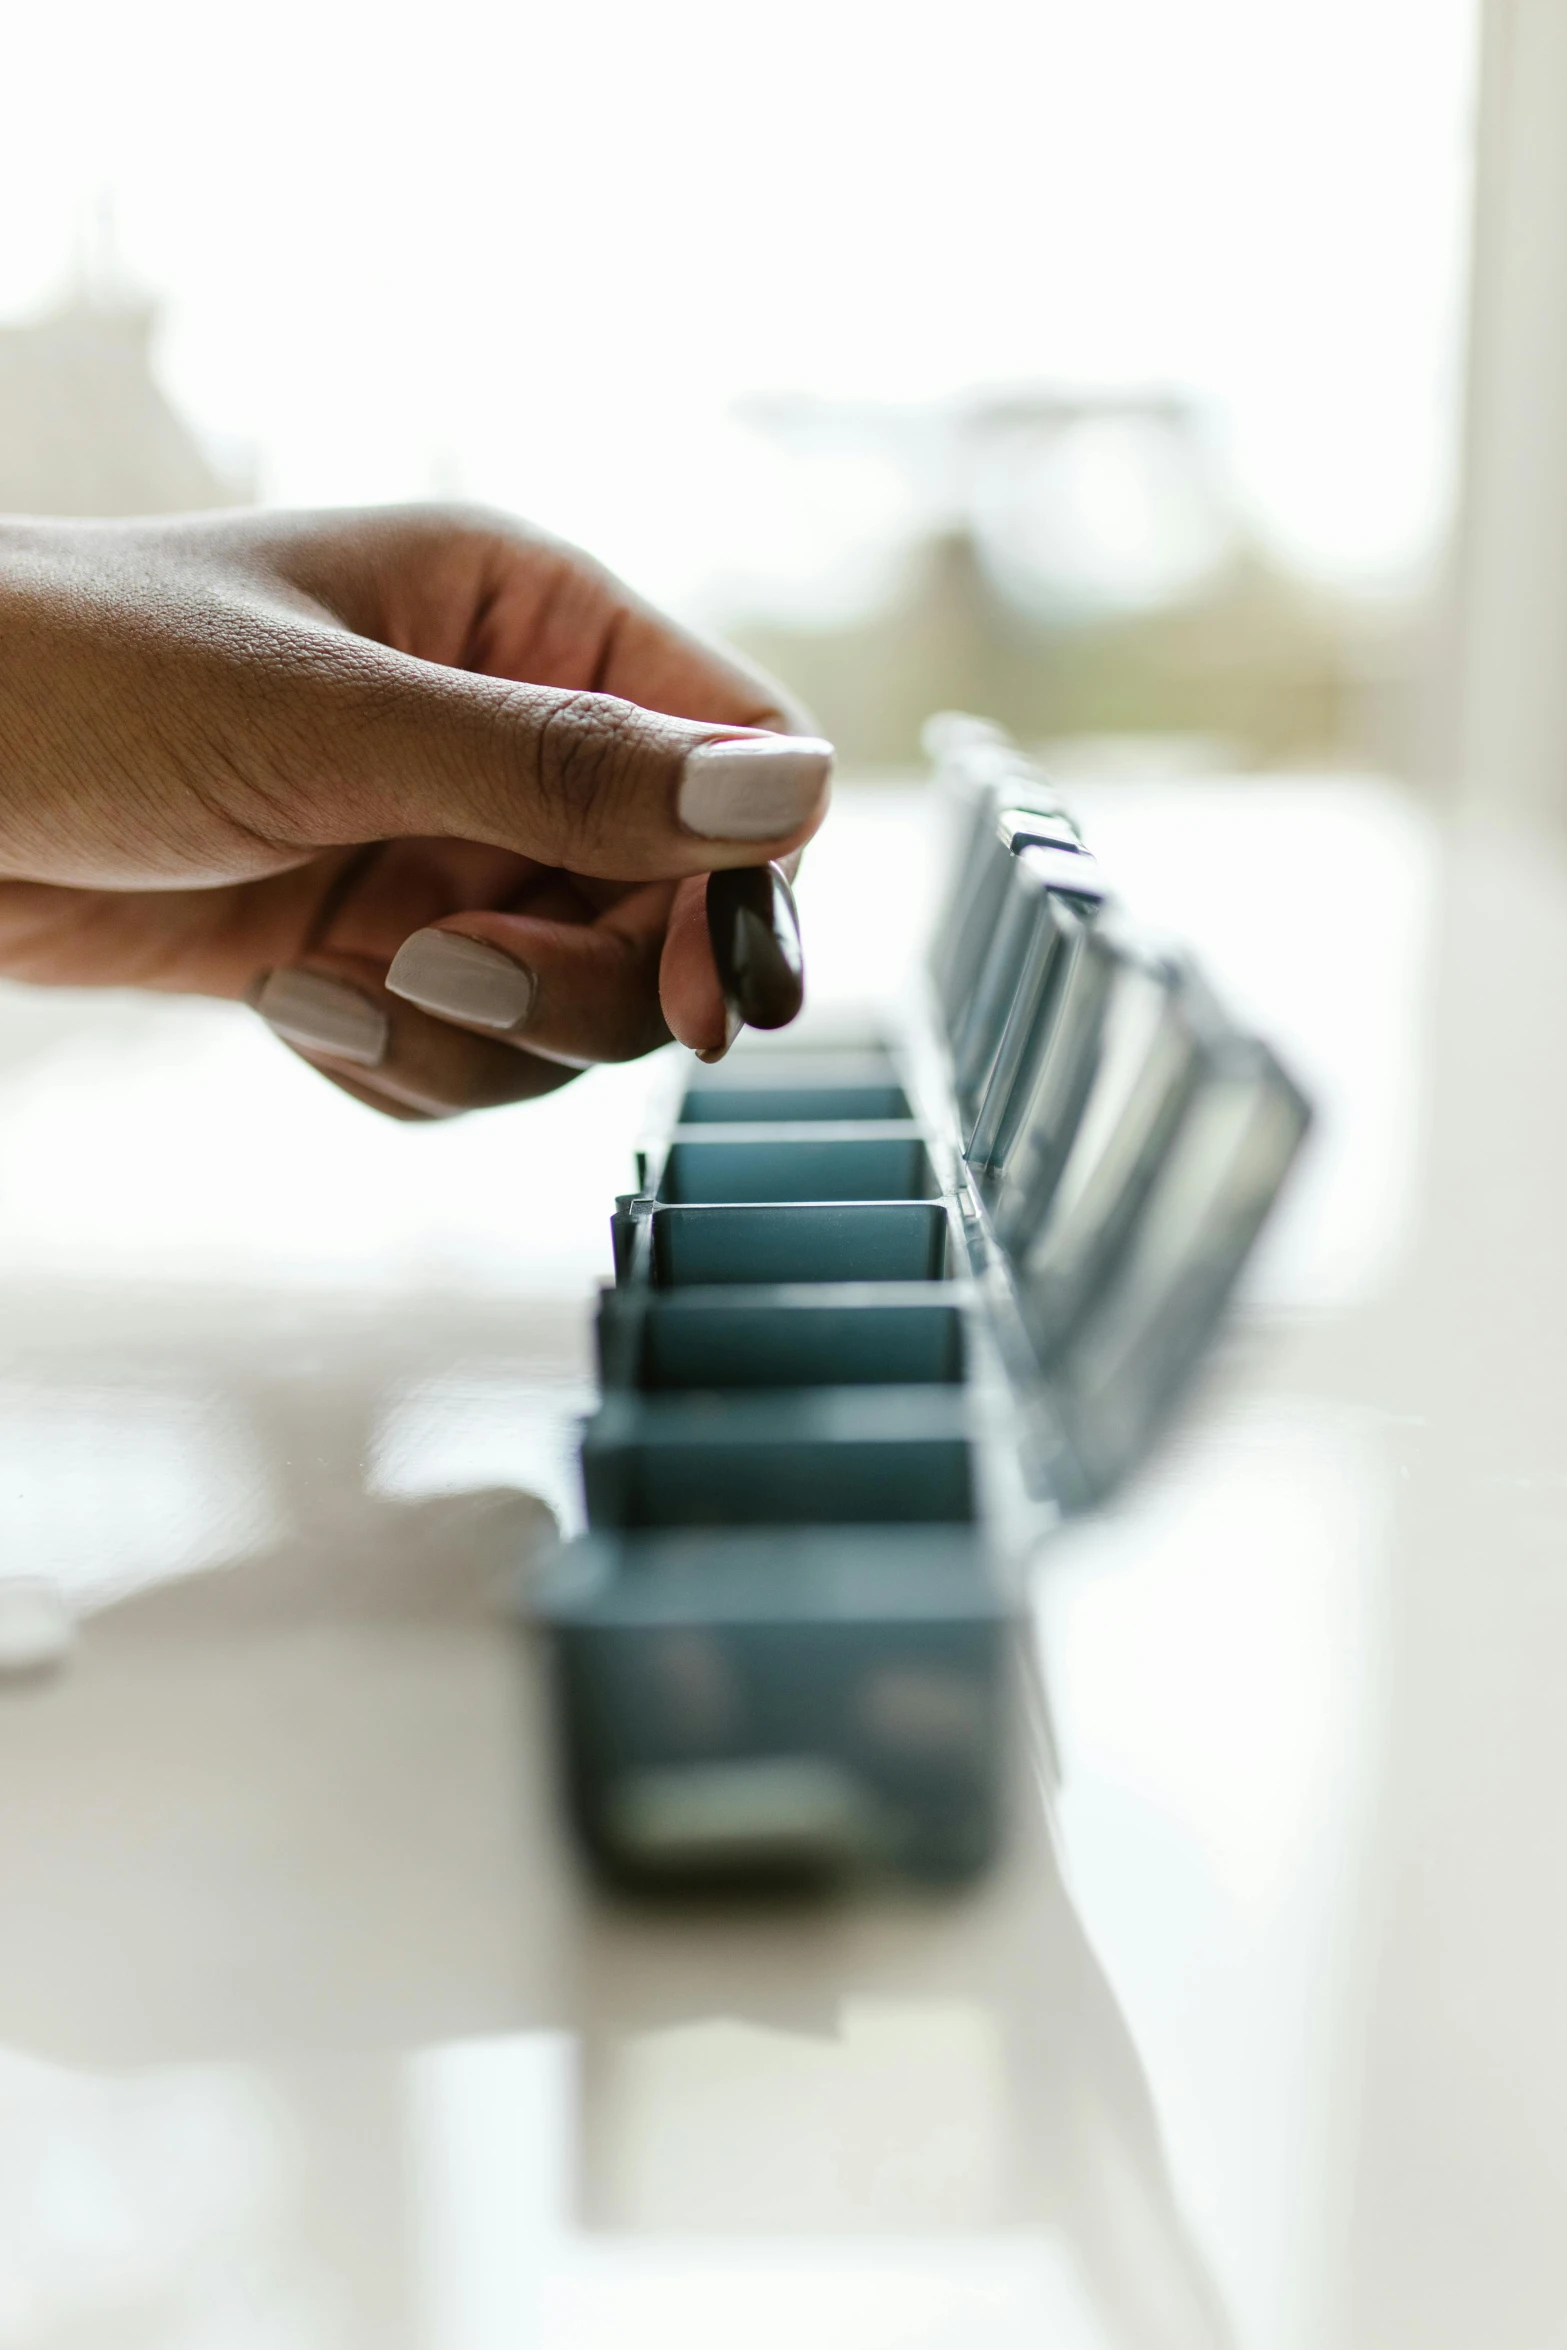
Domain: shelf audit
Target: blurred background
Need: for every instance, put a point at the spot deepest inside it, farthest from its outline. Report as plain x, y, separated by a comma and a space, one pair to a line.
1097, 366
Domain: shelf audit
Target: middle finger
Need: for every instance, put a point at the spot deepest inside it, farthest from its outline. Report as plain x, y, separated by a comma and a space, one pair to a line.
574, 992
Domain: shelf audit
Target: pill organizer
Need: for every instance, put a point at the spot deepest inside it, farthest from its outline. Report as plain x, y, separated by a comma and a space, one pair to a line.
883, 1316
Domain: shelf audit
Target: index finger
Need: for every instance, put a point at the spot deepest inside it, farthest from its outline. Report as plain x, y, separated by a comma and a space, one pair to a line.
654, 661
480, 590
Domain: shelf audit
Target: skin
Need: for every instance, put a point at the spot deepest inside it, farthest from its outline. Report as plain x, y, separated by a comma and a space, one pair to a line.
235, 744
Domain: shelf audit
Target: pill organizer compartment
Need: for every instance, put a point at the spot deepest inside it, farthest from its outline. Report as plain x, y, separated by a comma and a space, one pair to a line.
798, 1160
808, 1087
781, 1702
1108, 1392
857, 1240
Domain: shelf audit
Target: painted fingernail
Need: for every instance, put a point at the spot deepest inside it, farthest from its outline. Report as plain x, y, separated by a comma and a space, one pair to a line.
758, 789
755, 931
321, 1015
462, 979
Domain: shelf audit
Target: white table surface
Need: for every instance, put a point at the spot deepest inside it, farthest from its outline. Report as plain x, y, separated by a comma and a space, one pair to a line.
312, 2036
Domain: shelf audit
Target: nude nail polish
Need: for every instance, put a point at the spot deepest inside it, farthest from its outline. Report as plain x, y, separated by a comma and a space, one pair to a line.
760, 788
321, 1015
464, 979
755, 934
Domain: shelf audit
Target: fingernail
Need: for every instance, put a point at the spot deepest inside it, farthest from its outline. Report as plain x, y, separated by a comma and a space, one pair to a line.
755, 790
732, 1027
461, 978
321, 1015
755, 931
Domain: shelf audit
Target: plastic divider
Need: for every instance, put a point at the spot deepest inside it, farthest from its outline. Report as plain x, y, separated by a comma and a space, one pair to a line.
878, 1455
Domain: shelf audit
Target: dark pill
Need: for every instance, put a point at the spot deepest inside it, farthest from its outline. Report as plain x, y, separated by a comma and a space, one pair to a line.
755, 931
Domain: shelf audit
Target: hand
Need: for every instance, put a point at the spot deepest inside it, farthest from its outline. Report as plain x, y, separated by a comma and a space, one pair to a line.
432, 790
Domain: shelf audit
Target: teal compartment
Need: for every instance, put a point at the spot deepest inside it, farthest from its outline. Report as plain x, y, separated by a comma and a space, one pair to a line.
778, 1702
882, 1455
846, 1336
881, 1240
746, 1164
789, 1068
759, 1104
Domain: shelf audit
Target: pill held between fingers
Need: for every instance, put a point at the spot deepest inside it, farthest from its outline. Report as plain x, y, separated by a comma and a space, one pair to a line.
755, 934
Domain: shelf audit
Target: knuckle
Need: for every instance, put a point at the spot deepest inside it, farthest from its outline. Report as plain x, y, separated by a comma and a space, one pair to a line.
470, 518
587, 748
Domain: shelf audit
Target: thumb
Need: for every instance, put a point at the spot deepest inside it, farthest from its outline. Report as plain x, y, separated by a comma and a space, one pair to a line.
408, 748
